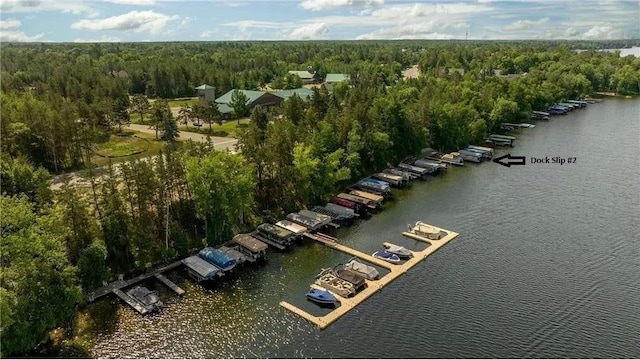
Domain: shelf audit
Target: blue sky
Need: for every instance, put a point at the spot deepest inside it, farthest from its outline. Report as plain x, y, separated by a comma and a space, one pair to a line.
214, 20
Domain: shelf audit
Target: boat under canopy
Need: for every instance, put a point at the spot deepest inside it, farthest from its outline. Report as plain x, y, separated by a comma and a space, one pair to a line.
324, 219
340, 209
291, 226
234, 253
250, 246
277, 234
218, 258
199, 269
358, 199
377, 199
307, 222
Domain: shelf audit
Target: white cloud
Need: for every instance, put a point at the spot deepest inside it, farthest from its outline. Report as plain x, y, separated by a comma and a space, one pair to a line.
524, 24
104, 38
18, 36
9, 32
9, 24
134, 21
315, 5
602, 33
309, 32
132, 2
424, 30
28, 6
206, 34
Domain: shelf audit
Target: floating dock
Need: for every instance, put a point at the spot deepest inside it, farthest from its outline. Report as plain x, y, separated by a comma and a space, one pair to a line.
395, 270
170, 284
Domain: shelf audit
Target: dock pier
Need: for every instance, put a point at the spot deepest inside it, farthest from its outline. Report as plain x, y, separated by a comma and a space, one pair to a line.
170, 284
117, 286
373, 286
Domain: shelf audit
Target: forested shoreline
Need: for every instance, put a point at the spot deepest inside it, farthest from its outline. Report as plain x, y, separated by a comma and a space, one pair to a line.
57, 99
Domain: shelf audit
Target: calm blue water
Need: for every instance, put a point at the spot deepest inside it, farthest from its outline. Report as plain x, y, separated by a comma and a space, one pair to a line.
547, 264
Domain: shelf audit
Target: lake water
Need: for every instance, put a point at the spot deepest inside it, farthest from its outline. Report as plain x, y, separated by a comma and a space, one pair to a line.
547, 264
634, 50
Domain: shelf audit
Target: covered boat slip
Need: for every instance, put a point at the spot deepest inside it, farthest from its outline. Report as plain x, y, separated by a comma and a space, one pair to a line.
275, 236
359, 200
200, 270
482, 148
341, 210
393, 180
250, 246
337, 217
377, 199
311, 224
421, 172
406, 176
218, 258
239, 257
372, 286
291, 226
323, 218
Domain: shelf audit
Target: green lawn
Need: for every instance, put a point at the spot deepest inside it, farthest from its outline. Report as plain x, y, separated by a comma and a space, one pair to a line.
176, 103
126, 148
227, 129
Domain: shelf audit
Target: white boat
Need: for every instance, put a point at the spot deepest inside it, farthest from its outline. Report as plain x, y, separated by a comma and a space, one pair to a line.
401, 251
369, 272
328, 280
424, 230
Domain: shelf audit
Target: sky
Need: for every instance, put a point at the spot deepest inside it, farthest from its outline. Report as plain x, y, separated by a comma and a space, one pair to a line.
224, 20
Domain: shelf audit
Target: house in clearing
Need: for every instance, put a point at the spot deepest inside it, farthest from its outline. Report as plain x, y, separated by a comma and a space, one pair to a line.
254, 98
333, 79
307, 76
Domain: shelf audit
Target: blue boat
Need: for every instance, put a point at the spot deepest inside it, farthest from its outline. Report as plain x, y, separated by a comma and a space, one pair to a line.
218, 258
321, 297
386, 256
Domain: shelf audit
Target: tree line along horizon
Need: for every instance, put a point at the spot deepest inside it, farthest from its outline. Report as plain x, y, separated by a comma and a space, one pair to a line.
56, 100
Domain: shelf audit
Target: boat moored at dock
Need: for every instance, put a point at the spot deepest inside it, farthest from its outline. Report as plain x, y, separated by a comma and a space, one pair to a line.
367, 271
482, 148
471, 156
233, 252
147, 298
323, 297
218, 259
254, 249
356, 279
330, 281
421, 172
201, 270
363, 201
393, 180
401, 251
311, 224
377, 199
425, 231
386, 256
377, 187
322, 218
291, 226
275, 236
453, 158
406, 176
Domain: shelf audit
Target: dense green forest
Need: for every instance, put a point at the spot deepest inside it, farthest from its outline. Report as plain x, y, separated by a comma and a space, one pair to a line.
57, 99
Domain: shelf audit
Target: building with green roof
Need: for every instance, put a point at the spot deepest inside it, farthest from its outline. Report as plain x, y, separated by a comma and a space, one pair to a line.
254, 98
306, 76
303, 93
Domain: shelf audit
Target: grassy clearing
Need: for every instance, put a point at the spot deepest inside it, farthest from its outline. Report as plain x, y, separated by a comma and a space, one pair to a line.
127, 148
227, 129
177, 103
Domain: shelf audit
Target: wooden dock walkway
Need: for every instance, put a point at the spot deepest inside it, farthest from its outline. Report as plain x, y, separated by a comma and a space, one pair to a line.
170, 284
120, 284
346, 304
350, 251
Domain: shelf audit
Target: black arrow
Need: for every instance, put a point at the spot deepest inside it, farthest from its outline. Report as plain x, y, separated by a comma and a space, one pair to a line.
511, 160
